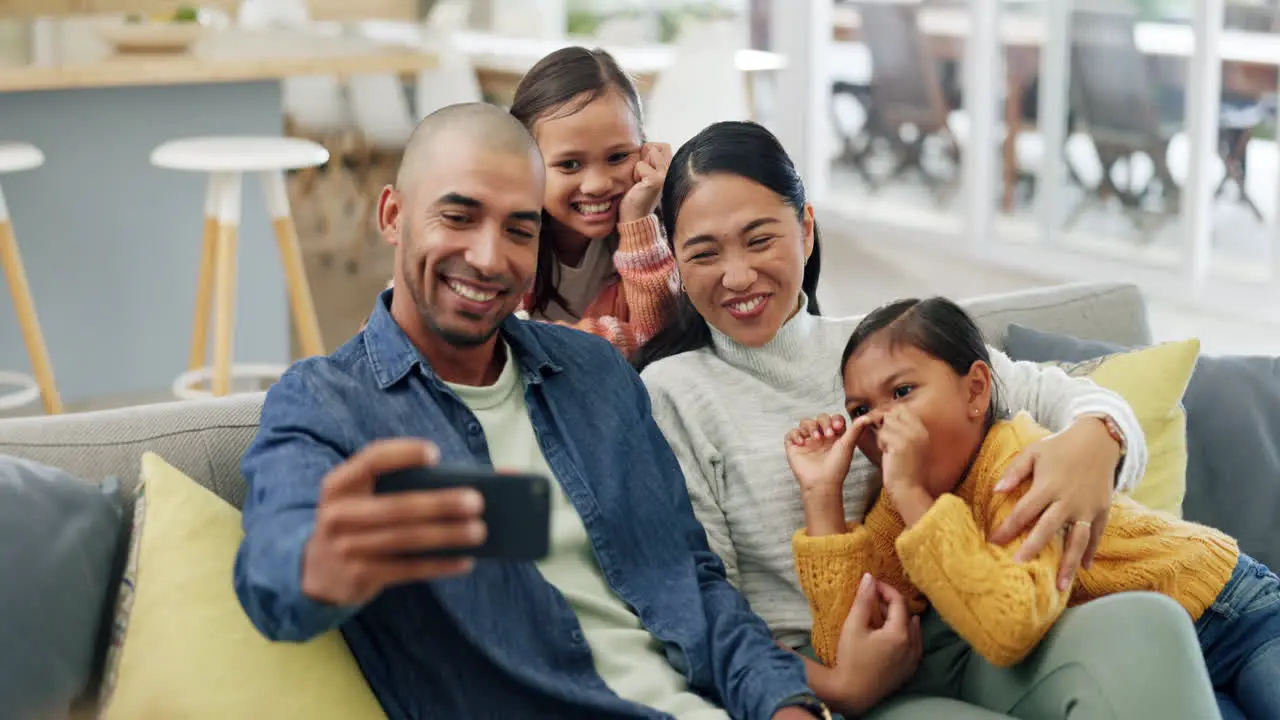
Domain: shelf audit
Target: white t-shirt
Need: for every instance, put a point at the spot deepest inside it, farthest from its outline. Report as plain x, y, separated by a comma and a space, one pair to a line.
629, 660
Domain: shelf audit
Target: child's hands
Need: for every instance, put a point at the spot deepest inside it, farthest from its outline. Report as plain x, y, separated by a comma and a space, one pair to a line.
820, 451
904, 450
650, 173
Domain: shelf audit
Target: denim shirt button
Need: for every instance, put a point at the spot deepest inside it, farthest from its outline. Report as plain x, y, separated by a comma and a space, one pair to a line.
577, 637
473, 428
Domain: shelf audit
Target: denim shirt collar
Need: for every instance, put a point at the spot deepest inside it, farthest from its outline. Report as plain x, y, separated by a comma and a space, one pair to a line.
392, 355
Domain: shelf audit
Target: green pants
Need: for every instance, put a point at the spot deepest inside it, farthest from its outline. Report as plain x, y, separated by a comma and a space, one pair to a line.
1130, 656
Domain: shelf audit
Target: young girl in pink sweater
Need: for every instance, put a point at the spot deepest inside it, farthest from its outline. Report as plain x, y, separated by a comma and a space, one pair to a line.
603, 264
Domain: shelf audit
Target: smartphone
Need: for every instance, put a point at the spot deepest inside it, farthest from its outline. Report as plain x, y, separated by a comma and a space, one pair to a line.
517, 508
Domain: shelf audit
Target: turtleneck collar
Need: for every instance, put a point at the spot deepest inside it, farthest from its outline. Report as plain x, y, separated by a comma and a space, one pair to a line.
790, 344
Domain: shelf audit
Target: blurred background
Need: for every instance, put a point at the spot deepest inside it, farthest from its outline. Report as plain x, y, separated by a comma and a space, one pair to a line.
961, 147
1129, 140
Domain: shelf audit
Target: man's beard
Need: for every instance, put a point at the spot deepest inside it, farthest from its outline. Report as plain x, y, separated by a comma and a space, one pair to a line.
427, 315
455, 338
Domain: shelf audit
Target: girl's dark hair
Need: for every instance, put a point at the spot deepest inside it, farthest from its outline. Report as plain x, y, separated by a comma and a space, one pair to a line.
559, 85
749, 151
937, 327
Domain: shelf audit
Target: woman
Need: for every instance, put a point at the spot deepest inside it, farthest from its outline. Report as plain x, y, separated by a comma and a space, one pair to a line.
748, 356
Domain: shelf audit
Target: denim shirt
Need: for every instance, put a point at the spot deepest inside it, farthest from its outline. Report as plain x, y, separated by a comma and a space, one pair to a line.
500, 641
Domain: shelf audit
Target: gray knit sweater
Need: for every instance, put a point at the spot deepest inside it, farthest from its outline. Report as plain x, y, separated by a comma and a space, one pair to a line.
725, 409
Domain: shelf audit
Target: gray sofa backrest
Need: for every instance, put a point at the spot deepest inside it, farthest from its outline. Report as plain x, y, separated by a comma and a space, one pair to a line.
205, 439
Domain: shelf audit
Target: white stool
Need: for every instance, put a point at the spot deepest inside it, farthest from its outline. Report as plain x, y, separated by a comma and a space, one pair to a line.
226, 159
16, 157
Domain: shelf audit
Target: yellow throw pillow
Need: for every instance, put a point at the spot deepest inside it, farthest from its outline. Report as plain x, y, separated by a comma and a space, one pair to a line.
189, 651
1152, 380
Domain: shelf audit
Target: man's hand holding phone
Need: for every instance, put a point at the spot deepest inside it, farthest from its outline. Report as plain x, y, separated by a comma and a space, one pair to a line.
364, 542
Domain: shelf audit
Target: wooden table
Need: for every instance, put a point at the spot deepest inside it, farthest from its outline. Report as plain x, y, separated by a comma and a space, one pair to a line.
1252, 59
112, 244
1028, 31
319, 9
501, 61
71, 54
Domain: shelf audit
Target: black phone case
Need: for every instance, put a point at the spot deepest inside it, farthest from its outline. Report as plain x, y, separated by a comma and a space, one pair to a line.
517, 508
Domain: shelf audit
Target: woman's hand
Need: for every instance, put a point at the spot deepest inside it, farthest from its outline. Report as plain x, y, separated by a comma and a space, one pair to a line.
651, 171
1072, 475
879, 648
904, 463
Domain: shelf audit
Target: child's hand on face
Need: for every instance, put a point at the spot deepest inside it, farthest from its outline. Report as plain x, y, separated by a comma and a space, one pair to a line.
651, 171
820, 451
904, 445
904, 449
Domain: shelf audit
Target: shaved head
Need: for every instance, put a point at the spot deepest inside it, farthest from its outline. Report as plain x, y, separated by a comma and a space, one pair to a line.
464, 215
479, 125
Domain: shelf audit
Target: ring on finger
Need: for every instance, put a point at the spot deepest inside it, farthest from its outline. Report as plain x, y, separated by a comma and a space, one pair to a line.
1073, 524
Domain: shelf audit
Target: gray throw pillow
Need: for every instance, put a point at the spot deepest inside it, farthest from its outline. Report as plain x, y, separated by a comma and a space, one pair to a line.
58, 540
1233, 436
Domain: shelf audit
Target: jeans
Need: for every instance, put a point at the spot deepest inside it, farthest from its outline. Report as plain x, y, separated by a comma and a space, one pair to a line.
1240, 637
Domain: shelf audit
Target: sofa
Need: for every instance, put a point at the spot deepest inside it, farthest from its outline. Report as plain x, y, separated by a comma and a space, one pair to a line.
205, 439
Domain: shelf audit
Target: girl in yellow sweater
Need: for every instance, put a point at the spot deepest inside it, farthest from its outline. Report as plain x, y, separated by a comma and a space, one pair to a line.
920, 393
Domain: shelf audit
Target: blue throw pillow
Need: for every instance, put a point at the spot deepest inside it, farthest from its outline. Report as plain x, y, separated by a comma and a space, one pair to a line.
58, 541
1233, 436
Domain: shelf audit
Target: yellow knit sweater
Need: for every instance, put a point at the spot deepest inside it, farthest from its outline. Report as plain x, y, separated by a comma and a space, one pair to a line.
1002, 608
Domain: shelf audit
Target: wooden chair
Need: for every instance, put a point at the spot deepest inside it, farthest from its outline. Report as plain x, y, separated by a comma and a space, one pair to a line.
1112, 95
16, 157
225, 160
1242, 112
905, 91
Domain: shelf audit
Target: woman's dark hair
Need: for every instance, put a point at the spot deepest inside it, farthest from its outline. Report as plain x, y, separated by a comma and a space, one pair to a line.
559, 85
937, 327
749, 151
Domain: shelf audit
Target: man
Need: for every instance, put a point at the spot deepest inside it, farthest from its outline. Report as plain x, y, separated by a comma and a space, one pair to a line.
630, 617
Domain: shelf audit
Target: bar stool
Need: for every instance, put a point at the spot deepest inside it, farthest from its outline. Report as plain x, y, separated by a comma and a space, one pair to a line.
226, 160
16, 157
